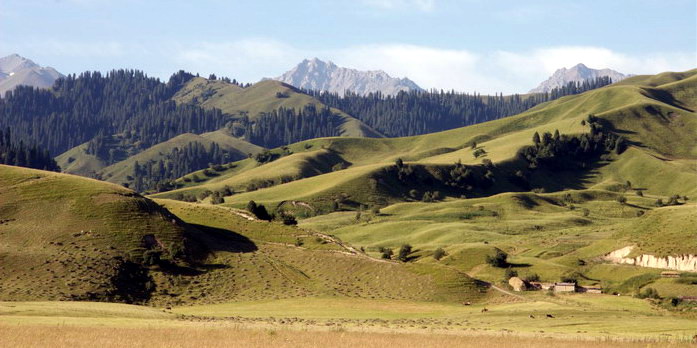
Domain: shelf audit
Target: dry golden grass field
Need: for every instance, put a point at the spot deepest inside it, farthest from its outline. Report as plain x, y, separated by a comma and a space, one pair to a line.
78, 337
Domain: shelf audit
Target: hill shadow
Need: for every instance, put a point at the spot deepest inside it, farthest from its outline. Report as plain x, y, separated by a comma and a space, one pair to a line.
218, 239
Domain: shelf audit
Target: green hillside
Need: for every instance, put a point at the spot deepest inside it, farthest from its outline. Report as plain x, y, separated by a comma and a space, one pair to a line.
261, 97
656, 121
64, 237
78, 161
561, 230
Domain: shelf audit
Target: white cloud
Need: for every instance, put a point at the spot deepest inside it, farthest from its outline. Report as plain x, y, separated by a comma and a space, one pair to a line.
538, 64
251, 59
420, 5
461, 70
246, 60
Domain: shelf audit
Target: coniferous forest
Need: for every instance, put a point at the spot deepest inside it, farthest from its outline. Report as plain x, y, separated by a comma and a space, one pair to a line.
18, 154
414, 113
79, 108
124, 112
285, 126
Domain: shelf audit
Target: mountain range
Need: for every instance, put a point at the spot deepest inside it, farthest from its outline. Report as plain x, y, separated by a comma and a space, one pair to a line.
316, 74
577, 73
16, 70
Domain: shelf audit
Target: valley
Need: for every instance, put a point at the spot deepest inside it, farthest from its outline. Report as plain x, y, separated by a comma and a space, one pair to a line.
364, 236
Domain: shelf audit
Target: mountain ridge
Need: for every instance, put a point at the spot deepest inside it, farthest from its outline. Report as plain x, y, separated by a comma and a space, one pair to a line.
16, 70
316, 74
578, 73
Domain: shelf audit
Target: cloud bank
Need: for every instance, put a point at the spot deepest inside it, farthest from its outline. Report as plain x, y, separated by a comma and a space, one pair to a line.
431, 67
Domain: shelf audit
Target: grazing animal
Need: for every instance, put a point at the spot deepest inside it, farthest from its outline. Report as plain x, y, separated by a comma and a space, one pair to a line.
484, 310
467, 303
550, 316
531, 316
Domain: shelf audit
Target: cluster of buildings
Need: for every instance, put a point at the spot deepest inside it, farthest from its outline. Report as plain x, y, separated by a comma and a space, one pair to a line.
519, 284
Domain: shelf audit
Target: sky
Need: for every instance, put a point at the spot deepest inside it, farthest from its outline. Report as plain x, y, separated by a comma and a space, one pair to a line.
467, 45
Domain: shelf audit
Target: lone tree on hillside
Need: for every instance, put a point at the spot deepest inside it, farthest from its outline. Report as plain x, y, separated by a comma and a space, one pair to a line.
259, 210
500, 259
399, 163
439, 254
386, 253
404, 252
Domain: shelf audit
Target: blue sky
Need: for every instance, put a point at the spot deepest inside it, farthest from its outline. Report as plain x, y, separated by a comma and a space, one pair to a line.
467, 45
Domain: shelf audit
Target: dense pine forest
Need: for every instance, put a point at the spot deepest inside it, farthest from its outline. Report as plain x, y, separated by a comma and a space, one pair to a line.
414, 113
18, 154
286, 126
157, 175
79, 108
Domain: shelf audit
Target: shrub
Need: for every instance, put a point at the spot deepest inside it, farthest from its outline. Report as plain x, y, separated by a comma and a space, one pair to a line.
586, 212
289, 220
622, 200
439, 254
510, 273
479, 153
259, 210
217, 198
659, 202
640, 193
498, 260
640, 213
386, 253
375, 210
568, 279
534, 277
649, 293
404, 252
151, 257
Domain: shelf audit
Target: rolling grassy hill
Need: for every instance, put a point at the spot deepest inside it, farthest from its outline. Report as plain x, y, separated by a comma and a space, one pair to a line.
260, 98
66, 237
78, 161
562, 233
656, 121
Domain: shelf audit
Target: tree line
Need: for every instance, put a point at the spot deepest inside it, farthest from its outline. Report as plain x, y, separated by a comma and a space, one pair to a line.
125, 102
286, 126
421, 112
158, 175
17, 153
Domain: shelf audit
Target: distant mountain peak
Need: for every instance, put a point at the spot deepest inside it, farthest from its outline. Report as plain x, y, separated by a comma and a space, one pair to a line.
322, 75
16, 70
577, 73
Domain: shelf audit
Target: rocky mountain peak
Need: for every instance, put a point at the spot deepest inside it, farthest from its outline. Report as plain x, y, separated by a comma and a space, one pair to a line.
577, 73
326, 76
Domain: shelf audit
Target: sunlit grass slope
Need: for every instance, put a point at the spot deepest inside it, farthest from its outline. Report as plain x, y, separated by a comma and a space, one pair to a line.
260, 98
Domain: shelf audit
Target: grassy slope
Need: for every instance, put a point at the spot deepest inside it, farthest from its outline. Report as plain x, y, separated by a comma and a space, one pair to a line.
117, 172
260, 98
276, 267
90, 165
60, 234
92, 223
654, 119
539, 230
